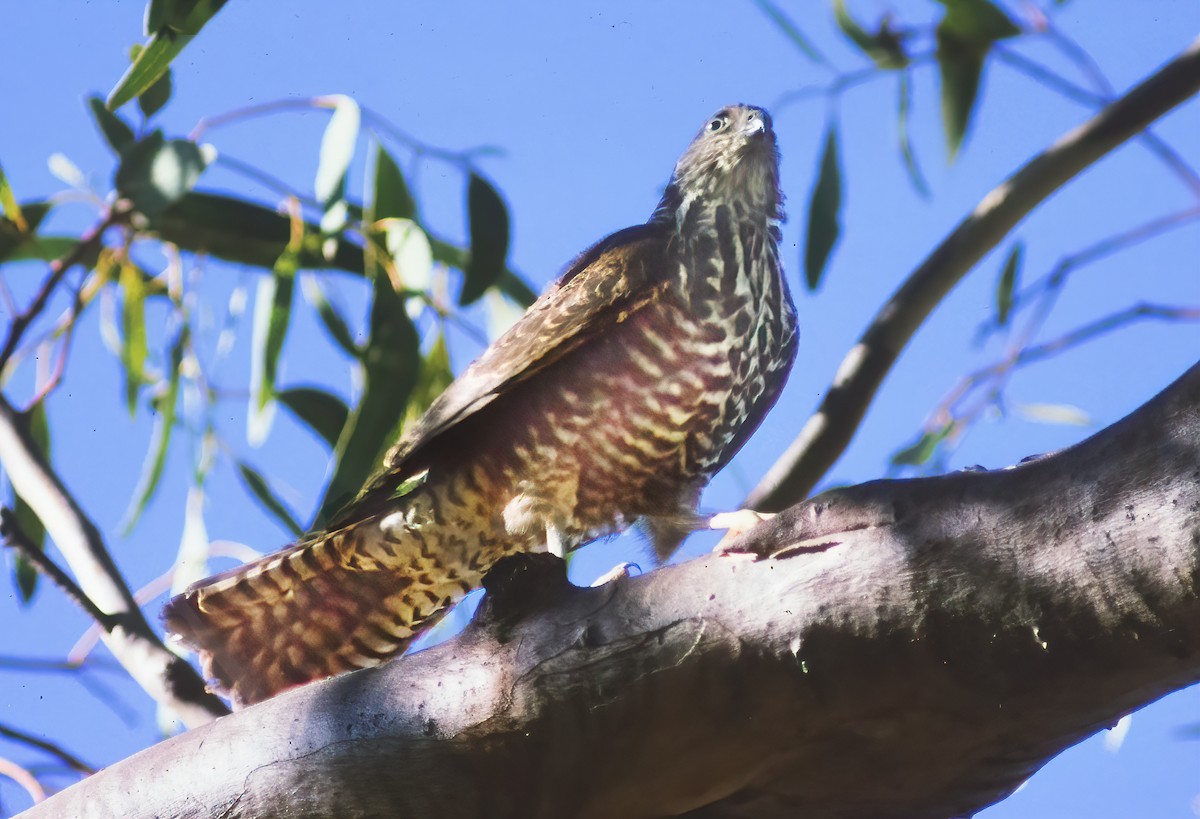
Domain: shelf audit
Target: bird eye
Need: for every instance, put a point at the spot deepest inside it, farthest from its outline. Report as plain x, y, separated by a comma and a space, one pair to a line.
717, 124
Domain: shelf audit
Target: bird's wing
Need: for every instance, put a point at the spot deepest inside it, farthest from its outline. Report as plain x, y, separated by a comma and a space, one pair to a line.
603, 286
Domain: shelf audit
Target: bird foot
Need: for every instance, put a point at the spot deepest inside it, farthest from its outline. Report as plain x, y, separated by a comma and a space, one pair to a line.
736, 524
616, 573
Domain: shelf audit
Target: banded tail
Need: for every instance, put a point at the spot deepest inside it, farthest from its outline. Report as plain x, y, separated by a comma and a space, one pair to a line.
350, 599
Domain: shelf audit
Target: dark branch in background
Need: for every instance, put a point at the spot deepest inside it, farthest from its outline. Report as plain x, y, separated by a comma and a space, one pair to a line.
16, 539
69, 759
162, 674
88, 243
829, 431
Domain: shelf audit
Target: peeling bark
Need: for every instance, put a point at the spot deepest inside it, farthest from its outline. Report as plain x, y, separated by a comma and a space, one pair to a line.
905, 649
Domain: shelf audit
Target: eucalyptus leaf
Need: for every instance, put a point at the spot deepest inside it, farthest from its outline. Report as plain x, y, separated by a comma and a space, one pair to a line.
25, 576
824, 212
1010, 272
258, 486
155, 172
323, 412
171, 26
487, 219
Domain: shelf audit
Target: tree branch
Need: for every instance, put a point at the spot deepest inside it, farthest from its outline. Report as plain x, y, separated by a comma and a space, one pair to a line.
913, 649
829, 431
165, 676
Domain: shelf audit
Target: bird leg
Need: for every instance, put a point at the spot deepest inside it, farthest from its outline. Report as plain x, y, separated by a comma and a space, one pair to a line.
735, 524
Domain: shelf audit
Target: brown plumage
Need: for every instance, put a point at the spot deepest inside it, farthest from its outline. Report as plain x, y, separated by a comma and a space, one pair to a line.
614, 400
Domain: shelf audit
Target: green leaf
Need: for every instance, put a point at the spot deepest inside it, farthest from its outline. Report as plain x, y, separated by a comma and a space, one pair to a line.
884, 47
487, 219
259, 487
160, 439
511, 284
8, 203
25, 576
923, 449
785, 24
175, 23
337, 149
14, 237
391, 195
905, 136
409, 249
965, 34
824, 212
246, 233
116, 132
323, 412
391, 362
133, 332
272, 315
155, 172
1009, 274
434, 377
156, 96
335, 324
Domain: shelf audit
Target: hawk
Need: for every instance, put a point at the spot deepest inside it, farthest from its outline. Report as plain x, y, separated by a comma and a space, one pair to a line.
637, 375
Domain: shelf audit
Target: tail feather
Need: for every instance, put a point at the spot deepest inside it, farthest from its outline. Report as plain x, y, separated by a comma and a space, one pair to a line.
348, 600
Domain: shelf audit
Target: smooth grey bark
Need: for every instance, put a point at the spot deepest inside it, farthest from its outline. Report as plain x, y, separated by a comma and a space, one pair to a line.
912, 649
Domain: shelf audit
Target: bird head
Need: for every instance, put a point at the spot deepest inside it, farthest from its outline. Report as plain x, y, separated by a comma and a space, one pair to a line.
733, 158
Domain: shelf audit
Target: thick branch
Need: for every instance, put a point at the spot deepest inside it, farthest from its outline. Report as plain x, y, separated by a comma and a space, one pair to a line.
166, 677
829, 431
917, 649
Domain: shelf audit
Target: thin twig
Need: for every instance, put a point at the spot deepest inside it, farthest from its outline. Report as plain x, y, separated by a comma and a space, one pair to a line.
58, 268
15, 537
22, 776
51, 748
829, 431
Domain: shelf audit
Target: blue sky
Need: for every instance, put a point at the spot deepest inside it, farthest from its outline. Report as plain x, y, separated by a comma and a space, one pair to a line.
591, 109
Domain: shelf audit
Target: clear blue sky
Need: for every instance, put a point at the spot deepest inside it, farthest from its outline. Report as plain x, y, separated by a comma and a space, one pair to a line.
591, 109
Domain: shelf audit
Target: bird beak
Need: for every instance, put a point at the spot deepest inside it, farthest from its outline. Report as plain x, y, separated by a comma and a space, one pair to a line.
755, 127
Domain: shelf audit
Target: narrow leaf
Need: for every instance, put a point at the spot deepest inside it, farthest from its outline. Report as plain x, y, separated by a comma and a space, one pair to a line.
323, 412
923, 449
160, 439
824, 212
272, 315
8, 202
905, 136
25, 575
335, 324
337, 149
133, 332
1066, 414
884, 47
177, 21
785, 24
409, 249
66, 171
156, 96
14, 238
391, 361
261, 490
391, 194
487, 218
964, 36
116, 132
1009, 274
246, 233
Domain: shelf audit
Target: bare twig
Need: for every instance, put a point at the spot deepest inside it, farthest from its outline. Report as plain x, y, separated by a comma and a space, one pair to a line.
51, 748
162, 674
829, 431
58, 268
22, 776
